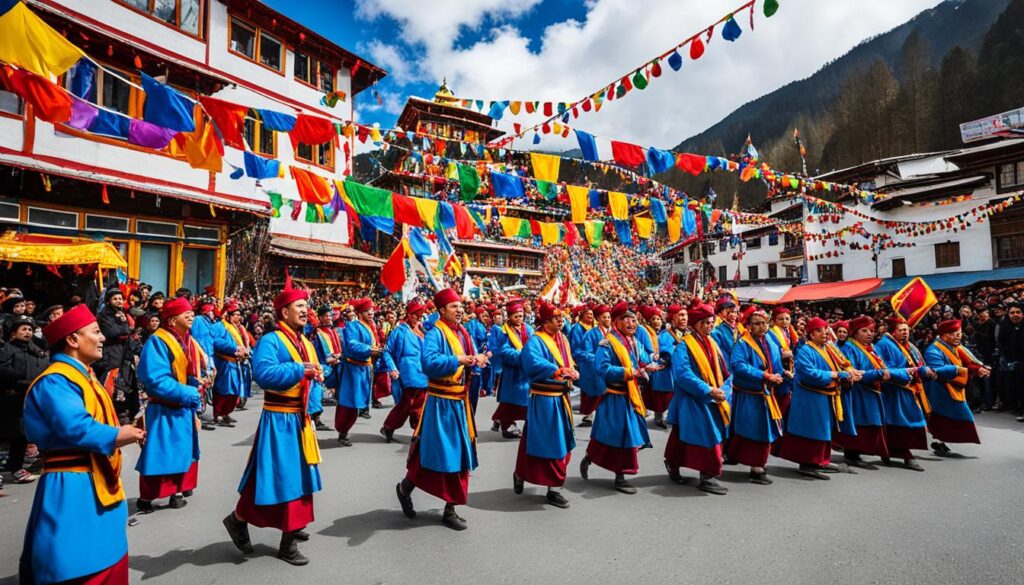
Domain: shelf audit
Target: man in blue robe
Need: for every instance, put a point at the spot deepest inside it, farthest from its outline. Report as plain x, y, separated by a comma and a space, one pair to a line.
479, 325
231, 356
405, 346
662, 383
951, 420
330, 353
170, 367
584, 353
726, 333
513, 393
362, 346
906, 404
443, 451
657, 391
282, 473
548, 439
494, 335
77, 529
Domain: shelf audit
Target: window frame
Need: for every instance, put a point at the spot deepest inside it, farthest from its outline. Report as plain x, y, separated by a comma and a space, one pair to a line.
825, 269
944, 248
257, 44
199, 35
313, 160
310, 60
753, 272
752, 243
902, 262
127, 228
30, 208
158, 235
257, 137
773, 270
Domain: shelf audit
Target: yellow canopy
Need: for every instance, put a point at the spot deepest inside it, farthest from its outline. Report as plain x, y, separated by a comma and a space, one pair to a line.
102, 253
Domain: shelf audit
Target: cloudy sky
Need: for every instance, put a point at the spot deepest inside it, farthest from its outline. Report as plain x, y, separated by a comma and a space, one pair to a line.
562, 50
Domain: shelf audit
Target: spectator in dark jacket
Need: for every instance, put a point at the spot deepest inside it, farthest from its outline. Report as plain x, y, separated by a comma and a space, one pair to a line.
116, 328
21, 361
1010, 341
984, 342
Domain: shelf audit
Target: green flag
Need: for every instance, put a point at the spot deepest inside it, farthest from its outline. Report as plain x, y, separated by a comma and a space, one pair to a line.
276, 201
370, 201
547, 189
310, 213
469, 182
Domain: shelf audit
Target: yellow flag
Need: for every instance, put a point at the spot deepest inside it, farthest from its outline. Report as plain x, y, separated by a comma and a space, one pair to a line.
545, 166
510, 226
644, 227
550, 233
514, 108
579, 199
28, 42
428, 211
619, 204
675, 224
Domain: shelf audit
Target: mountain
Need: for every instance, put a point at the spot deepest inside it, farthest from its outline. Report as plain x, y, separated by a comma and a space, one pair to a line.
772, 117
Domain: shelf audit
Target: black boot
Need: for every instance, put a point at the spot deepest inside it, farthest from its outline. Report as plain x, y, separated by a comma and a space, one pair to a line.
557, 499
289, 550
389, 435
517, 484
405, 499
622, 486
177, 501
143, 506
364, 413
453, 520
585, 467
343, 440
238, 530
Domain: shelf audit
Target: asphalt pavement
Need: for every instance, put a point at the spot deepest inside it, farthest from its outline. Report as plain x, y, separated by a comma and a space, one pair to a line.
958, 522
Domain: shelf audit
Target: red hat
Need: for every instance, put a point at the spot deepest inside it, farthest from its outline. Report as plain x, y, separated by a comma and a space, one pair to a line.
446, 297
602, 309
206, 307
725, 303
494, 309
513, 306
547, 311
361, 305
843, 324
174, 307
71, 321
481, 310
861, 322
780, 311
949, 326
231, 307
894, 321
415, 308
649, 312
814, 324
700, 311
674, 310
750, 310
621, 309
287, 297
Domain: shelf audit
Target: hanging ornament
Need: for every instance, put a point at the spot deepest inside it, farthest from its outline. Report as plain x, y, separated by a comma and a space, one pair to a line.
656, 69
639, 80
675, 61
731, 31
771, 7
696, 48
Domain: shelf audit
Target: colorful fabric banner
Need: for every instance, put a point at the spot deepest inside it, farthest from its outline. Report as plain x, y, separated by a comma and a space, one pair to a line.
578, 201
428, 212
644, 227
372, 204
229, 118
587, 145
392, 274
507, 186
623, 232
259, 167
660, 160
276, 121
110, 124
312, 130
914, 300
594, 231
618, 203
166, 107
545, 166
82, 114
465, 227
675, 224
406, 212
28, 42
147, 135
658, 211
49, 101
469, 182
550, 233
202, 148
629, 155
312, 187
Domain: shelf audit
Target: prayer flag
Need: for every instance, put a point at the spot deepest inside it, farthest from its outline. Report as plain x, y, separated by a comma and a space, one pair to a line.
28, 42
914, 300
618, 203
469, 182
166, 107
578, 197
545, 166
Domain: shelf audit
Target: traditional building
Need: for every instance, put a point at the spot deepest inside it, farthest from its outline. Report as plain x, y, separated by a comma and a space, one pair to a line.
173, 225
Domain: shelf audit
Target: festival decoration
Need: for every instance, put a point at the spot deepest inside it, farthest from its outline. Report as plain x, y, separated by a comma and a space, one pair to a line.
914, 300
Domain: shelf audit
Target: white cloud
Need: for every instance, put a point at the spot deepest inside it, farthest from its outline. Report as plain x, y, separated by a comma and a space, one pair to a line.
391, 103
577, 58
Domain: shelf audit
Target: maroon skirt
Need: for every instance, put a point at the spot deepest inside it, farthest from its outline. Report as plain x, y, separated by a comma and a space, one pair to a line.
902, 439
656, 401
344, 418
540, 471
381, 385
116, 574
509, 412
453, 488
614, 459
286, 516
703, 459
410, 406
154, 487
802, 450
870, 440
588, 403
223, 404
783, 400
748, 452
949, 430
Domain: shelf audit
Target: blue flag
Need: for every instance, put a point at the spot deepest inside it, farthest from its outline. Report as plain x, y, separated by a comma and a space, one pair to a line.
587, 144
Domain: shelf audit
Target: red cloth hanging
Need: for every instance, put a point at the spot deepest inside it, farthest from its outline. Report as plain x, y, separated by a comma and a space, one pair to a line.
692, 163
465, 227
406, 212
571, 234
312, 130
312, 187
229, 119
48, 100
535, 227
626, 154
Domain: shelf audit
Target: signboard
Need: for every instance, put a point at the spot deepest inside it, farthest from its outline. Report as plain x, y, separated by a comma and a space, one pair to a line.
1011, 122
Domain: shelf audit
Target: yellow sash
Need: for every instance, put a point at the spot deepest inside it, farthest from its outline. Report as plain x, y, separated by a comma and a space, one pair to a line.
235, 335
585, 326
915, 386
633, 394
876, 363
105, 471
310, 447
957, 386
675, 334
329, 342
773, 404
654, 341
453, 381
782, 337
513, 336
710, 372
833, 387
552, 346
179, 363
456, 345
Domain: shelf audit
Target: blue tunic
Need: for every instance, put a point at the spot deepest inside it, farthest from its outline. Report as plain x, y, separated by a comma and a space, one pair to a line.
810, 413
725, 336
324, 349
751, 417
515, 384
548, 423
443, 434
577, 333
282, 474
694, 412
172, 437
662, 381
357, 374
406, 350
616, 422
901, 406
69, 534
586, 360
203, 334
942, 403
868, 408
494, 345
231, 377
787, 383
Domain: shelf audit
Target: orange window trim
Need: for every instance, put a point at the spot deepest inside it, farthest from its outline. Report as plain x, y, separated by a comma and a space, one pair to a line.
256, 45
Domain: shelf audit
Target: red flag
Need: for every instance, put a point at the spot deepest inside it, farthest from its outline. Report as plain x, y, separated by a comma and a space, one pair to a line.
914, 300
392, 274
626, 154
287, 279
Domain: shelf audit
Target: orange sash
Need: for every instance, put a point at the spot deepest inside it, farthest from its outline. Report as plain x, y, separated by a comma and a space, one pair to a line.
956, 387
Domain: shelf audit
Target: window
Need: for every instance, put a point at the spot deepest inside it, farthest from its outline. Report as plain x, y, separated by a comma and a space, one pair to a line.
10, 103
899, 267
260, 139
320, 154
156, 228
106, 223
773, 239
773, 270
116, 94
256, 45
183, 14
9, 210
199, 265
754, 243
947, 255
752, 272
193, 232
830, 272
722, 274
1010, 250
52, 217
155, 266
1010, 176
315, 72
722, 245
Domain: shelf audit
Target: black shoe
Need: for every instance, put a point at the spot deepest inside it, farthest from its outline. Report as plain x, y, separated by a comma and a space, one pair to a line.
388, 434
177, 501
860, 463
912, 465
188, 493
886, 462
406, 501
239, 533
230, 419
208, 426
225, 422
712, 486
513, 434
143, 506
557, 499
1020, 419
300, 535
495, 426
812, 471
673, 474
660, 423
624, 487
517, 484
585, 467
289, 551
453, 520
377, 404
320, 426
586, 422
344, 441
727, 461
828, 468
760, 478
365, 413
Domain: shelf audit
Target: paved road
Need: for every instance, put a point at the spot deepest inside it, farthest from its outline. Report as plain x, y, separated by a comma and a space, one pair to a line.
959, 522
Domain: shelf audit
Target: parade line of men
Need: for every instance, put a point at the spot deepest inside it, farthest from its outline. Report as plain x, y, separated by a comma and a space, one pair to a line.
735, 386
